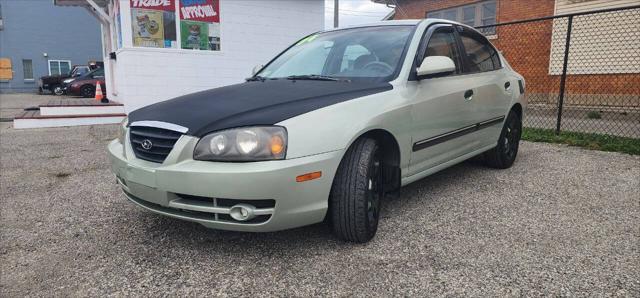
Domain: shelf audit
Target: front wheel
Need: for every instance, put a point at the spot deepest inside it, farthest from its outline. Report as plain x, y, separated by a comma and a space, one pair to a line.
356, 192
505, 152
57, 90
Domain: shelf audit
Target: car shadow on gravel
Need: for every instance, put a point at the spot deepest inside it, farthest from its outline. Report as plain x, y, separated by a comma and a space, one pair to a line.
188, 235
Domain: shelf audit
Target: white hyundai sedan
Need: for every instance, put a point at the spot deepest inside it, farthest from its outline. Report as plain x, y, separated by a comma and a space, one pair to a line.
325, 130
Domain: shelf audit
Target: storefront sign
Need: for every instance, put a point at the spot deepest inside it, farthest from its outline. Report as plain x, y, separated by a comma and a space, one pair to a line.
200, 24
166, 5
153, 23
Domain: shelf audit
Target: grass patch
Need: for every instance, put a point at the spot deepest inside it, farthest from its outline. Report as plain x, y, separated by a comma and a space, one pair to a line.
586, 140
594, 115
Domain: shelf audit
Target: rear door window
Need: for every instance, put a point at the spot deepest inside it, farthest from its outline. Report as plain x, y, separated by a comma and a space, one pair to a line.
479, 55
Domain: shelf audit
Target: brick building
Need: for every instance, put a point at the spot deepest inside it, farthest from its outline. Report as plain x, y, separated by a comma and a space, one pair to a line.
604, 62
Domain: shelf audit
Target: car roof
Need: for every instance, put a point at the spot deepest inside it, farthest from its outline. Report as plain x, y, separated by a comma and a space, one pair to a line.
408, 22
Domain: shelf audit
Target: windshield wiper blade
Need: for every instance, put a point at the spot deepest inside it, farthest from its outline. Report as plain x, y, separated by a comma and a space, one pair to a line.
312, 78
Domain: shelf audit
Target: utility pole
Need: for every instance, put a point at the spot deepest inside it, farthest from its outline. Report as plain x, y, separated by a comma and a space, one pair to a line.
336, 7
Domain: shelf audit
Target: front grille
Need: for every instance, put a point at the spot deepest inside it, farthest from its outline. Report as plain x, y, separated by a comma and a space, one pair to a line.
161, 142
230, 202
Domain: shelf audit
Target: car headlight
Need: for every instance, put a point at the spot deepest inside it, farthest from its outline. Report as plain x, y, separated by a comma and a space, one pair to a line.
122, 129
67, 81
243, 144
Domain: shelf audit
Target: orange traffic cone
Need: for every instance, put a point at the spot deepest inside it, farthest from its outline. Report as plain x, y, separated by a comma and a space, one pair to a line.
99, 95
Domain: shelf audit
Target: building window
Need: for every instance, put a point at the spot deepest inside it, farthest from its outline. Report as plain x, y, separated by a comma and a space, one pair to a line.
6, 71
59, 67
477, 14
1, 22
27, 69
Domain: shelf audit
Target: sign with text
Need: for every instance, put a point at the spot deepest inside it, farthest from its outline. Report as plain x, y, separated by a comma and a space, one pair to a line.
166, 5
200, 24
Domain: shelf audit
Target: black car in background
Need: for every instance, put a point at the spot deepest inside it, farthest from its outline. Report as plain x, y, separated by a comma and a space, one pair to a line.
54, 83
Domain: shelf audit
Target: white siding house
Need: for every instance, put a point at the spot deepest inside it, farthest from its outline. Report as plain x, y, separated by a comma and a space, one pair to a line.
600, 43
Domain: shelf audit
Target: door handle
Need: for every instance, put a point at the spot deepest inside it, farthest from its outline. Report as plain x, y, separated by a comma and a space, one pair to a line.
507, 86
468, 95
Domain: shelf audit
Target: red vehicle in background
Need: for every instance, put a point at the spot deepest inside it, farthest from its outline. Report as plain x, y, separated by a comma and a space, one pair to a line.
85, 85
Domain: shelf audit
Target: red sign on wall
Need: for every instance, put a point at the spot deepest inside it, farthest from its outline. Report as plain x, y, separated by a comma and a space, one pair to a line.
166, 5
200, 10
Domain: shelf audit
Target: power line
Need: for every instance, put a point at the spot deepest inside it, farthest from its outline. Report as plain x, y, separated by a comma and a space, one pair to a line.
362, 15
356, 11
399, 8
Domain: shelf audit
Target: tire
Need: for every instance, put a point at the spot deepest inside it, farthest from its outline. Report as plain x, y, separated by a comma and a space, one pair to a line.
87, 91
57, 90
506, 150
356, 192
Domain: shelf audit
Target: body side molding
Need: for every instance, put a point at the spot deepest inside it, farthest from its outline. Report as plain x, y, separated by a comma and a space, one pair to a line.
455, 133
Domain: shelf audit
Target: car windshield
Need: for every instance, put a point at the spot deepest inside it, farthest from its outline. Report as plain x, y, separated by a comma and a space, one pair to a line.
359, 53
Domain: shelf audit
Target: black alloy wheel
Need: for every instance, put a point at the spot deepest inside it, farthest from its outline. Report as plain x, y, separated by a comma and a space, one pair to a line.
504, 154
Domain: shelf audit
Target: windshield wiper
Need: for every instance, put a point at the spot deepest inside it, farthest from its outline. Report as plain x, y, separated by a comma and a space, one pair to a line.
255, 78
312, 78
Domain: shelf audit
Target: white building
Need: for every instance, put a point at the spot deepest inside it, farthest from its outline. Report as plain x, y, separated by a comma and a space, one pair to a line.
155, 50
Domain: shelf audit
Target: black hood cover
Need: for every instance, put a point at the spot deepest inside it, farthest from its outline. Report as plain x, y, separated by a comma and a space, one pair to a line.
253, 103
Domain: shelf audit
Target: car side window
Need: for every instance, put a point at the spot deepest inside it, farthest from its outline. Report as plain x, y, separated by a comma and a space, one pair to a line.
98, 73
479, 54
443, 43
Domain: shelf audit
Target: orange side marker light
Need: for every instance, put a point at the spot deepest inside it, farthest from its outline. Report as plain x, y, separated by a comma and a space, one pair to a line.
308, 176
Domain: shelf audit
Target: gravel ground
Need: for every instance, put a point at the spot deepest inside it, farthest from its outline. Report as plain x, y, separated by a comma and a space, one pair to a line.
562, 221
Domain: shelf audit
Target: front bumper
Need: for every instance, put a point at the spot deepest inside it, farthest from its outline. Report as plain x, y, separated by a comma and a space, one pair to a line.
167, 188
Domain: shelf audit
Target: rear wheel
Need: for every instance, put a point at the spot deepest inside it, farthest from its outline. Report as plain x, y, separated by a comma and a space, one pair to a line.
87, 91
357, 191
505, 152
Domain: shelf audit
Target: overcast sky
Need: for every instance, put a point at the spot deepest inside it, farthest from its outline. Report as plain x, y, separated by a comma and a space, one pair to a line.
354, 12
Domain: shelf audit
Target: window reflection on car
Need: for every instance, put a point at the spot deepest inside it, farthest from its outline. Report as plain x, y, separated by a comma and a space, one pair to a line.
348, 54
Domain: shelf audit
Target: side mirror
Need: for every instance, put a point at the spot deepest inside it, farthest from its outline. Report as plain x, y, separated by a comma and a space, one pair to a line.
256, 69
436, 65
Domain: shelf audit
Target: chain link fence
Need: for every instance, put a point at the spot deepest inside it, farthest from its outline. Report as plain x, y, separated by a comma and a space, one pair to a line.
582, 71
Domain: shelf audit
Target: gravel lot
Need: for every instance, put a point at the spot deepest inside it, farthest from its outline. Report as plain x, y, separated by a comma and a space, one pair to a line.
12, 105
562, 221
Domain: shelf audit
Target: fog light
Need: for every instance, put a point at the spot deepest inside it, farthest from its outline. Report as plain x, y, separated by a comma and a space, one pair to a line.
242, 212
